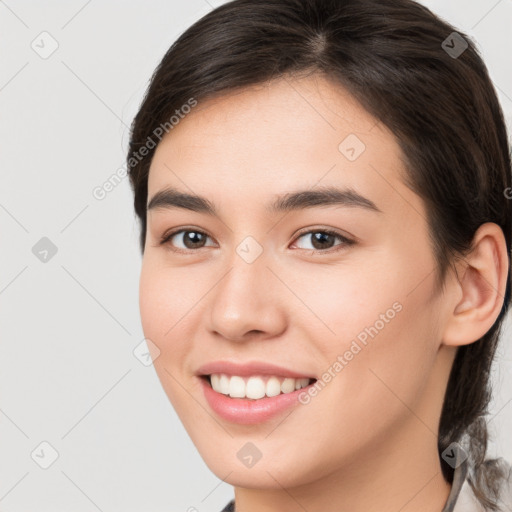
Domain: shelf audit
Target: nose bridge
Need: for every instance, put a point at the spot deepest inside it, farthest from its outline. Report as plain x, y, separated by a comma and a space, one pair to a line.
247, 264
245, 298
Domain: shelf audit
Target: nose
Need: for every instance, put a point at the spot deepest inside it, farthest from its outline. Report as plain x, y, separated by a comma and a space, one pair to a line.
248, 301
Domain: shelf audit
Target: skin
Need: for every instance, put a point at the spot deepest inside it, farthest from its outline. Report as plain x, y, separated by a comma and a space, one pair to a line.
368, 440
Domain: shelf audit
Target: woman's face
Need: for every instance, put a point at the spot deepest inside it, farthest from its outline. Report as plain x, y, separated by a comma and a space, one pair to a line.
269, 286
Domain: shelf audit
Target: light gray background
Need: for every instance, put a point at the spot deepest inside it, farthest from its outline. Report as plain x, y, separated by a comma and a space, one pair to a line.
68, 375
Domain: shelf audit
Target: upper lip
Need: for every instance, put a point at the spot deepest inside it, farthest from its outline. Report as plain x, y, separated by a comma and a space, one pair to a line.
248, 369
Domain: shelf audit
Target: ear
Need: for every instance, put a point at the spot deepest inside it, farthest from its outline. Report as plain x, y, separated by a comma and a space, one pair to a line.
479, 290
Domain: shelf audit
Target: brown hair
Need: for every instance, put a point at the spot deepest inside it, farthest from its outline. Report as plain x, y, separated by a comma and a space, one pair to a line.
397, 59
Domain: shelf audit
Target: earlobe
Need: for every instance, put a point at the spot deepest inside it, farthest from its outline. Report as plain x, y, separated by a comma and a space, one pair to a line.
479, 288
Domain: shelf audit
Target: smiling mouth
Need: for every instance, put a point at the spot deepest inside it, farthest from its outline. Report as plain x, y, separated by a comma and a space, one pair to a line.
255, 387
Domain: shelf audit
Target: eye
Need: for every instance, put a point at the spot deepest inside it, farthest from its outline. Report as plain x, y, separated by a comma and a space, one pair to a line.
195, 239
322, 240
190, 238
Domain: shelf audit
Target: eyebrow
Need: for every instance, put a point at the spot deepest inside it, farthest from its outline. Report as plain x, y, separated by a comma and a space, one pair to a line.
169, 198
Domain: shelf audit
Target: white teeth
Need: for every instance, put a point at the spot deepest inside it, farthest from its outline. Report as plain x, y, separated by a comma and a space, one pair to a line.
288, 385
273, 387
255, 387
236, 387
224, 384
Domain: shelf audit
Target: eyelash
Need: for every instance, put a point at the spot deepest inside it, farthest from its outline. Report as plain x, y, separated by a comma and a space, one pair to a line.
345, 241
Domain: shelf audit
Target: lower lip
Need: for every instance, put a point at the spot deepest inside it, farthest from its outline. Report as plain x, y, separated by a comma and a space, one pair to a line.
246, 411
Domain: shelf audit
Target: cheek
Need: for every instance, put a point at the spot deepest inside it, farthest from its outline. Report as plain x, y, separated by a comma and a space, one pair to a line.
379, 317
164, 303
166, 299
167, 296
343, 300
381, 365
172, 302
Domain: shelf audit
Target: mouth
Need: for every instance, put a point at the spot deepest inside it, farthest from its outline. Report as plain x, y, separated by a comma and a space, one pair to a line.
254, 387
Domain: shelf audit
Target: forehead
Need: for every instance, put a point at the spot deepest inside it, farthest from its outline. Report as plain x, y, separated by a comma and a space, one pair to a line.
278, 136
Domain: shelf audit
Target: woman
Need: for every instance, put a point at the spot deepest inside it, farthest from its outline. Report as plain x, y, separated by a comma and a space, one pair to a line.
326, 229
